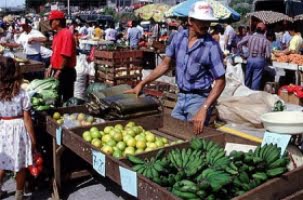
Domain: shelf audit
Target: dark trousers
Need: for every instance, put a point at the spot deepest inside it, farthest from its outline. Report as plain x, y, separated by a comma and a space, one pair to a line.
67, 79
254, 72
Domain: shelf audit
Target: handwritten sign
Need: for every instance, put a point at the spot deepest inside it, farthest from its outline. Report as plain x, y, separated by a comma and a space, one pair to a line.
229, 147
59, 135
128, 180
99, 162
281, 140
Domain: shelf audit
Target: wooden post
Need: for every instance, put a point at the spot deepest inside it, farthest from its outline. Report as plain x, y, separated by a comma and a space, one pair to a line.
57, 153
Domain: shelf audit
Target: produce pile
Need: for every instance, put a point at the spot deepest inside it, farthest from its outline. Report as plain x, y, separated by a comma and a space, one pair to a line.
44, 93
204, 171
75, 119
120, 141
291, 58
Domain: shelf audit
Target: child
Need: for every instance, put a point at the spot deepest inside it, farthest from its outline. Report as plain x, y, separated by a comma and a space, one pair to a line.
17, 140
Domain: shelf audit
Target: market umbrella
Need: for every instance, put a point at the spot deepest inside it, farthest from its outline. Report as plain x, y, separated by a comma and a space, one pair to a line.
269, 17
221, 11
153, 11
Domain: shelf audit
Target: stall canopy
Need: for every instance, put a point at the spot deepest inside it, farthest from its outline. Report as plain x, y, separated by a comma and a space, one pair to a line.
269, 17
221, 11
153, 11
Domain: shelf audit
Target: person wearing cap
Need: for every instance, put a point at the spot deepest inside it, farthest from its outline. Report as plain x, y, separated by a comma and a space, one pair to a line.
30, 39
259, 50
199, 65
63, 60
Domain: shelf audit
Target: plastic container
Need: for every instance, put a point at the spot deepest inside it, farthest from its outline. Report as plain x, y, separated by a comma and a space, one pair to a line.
286, 122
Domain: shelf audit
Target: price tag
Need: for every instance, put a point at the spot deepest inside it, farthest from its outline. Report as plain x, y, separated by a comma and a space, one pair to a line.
59, 135
99, 162
229, 147
128, 180
281, 140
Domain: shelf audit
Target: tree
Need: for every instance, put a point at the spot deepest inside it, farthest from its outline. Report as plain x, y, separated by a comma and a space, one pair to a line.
34, 4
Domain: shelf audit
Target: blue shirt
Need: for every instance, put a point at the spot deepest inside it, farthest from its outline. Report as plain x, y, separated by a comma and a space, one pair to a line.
134, 36
197, 67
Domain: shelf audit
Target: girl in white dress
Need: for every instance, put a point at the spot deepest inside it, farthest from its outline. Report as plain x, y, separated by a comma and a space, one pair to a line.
17, 139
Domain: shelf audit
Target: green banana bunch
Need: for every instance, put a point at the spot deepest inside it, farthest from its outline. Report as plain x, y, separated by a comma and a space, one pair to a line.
216, 178
186, 189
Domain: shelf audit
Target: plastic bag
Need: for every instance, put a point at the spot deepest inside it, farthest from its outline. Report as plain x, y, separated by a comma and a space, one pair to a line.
246, 109
82, 77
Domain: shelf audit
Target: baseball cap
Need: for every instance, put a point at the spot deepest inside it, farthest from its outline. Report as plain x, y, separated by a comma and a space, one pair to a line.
56, 14
202, 10
261, 26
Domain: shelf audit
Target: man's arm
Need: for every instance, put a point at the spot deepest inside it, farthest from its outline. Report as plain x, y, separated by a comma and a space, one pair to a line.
161, 69
37, 39
214, 94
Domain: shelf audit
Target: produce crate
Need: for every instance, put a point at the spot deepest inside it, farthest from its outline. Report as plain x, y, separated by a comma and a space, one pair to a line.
114, 74
182, 129
73, 140
52, 125
276, 188
119, 57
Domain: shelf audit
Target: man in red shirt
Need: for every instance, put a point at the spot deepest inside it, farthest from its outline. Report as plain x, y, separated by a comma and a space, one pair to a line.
63, 60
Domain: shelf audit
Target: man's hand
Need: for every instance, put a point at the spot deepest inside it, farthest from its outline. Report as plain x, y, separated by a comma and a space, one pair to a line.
48, 72
198, 120
136, 90
57, 74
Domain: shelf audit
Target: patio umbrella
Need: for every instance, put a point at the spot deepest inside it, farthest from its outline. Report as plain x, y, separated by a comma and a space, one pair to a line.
221, 11
152, 11
269, 17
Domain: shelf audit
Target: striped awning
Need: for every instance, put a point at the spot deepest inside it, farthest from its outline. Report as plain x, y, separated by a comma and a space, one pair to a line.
269, 17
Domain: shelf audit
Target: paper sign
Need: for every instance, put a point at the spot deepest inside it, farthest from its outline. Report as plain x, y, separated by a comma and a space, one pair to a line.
128, 180
59, 135
229, 147
281, 140
99, 162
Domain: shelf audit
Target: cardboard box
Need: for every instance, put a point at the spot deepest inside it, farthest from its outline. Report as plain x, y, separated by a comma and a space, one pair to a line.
290, 98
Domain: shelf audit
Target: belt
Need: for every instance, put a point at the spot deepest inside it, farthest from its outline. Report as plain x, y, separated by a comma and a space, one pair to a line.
200, 92
11, 118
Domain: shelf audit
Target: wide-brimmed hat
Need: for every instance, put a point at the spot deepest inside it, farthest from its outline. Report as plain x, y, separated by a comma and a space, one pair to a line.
203, 11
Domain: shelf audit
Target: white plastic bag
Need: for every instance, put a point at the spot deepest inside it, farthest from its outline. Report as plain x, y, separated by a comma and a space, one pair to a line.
82, 69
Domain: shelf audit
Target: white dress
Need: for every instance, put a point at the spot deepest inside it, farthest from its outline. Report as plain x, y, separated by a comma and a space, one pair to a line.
15, 143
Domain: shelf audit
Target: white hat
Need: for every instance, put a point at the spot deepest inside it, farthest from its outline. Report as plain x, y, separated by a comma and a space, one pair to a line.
202, 10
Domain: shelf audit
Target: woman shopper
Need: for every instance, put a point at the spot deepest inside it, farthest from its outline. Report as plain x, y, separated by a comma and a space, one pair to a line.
17, 138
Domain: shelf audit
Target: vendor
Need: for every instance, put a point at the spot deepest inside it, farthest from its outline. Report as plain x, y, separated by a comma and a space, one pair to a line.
199, 62
295, 43
30, 39
63, 60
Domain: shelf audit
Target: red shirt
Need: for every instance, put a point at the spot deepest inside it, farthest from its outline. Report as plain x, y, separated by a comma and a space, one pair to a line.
63, 44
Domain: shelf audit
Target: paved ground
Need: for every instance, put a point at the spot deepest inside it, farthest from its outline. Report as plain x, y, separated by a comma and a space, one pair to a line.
88, 188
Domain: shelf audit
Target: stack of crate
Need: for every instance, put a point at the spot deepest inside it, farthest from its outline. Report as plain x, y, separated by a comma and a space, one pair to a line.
119, 67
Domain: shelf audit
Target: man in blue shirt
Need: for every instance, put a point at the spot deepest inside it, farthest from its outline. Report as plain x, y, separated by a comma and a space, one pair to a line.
134, 35
199, 65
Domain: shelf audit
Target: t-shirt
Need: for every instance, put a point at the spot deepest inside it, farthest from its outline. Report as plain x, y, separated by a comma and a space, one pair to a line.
295, 43
63, 44
98, 33
33, 48
110, 34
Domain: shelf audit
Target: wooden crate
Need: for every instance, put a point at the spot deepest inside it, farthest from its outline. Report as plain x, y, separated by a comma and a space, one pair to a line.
118, 58
276, 188
72, 139
114, 74
181, 129
32, 66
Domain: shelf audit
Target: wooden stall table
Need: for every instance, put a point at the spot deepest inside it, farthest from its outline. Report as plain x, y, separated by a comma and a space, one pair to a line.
32, 66
280, 70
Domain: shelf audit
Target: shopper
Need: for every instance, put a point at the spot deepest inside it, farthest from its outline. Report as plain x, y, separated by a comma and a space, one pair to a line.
134, 36
259, 49
17, 138
63, 60
199, 62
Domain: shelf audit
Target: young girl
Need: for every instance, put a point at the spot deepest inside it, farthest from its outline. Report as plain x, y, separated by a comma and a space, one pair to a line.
17, 140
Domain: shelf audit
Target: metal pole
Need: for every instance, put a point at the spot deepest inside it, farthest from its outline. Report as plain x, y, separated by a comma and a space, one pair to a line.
68, 8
